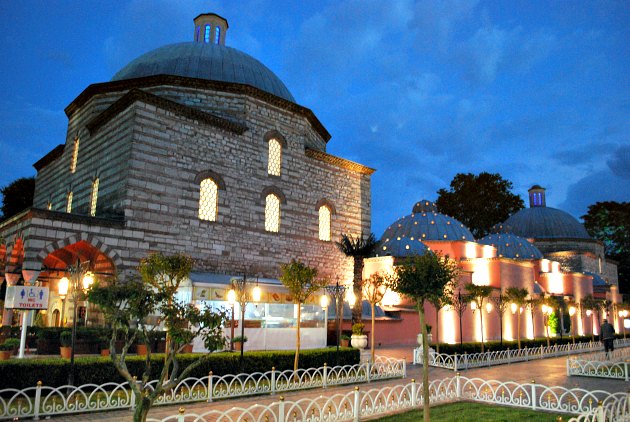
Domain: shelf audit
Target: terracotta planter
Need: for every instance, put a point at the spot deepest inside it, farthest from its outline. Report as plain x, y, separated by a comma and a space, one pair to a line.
104, 352
187, 348
141, 349
65, 352
5, 354
345, 343
238, 346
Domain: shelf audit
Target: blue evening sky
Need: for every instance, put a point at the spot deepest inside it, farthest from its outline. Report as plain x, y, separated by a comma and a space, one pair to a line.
537, 91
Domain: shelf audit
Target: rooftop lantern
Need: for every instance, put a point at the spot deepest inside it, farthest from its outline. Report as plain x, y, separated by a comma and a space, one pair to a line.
210, 28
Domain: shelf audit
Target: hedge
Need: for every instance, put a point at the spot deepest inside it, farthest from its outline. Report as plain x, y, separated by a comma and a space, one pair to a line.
493, 346
23, 373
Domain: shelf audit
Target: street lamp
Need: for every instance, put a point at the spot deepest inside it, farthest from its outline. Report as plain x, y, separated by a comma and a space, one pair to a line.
231, 298
80, 281
62, 288
336, 293
571, 313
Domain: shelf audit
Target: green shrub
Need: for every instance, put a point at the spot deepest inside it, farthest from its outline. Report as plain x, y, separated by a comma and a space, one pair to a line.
23, 373
10, 344
357, 329
65, 339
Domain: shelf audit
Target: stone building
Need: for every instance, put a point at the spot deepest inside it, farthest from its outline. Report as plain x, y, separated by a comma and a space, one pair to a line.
198, 148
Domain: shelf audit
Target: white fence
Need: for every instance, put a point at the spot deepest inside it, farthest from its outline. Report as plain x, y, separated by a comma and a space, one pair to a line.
601, 365
614, 411
475, 360
44, 401
357, 405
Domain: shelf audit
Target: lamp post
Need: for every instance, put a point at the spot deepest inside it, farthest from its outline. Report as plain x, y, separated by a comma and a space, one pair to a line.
571, 313
79, 281
240, 294
336, 292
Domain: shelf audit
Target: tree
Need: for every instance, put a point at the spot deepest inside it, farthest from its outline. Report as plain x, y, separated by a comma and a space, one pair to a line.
374, 289
532, 305
425, 278
501, 305
478, 295
17, 196
479, 201
358, 248
610, 223
589, 303
132, 303
517, 296
460, 303
300, 280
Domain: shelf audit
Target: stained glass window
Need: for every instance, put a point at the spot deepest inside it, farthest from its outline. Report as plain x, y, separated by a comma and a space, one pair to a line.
324, 223
75, 156
94, 197
275, 158
69, 203
272, 213
208, 199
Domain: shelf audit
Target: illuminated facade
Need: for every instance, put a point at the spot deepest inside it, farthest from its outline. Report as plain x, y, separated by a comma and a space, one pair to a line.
198, 148
500, 260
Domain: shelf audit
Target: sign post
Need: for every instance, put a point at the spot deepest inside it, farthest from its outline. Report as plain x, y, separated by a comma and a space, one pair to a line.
26, 298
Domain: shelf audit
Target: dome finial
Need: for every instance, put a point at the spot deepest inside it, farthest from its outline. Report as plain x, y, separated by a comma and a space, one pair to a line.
537, 196
210, 28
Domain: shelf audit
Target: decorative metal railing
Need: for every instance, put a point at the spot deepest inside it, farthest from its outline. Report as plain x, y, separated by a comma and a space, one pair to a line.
614, 365
464, 361
44, 401
357, 405
614, 411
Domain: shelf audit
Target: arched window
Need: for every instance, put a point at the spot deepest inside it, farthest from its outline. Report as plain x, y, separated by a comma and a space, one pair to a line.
75, 156
274, 164
272, 213
208, 200
324, 223
69, 202
206, 35
94, 197
197, 31
217, 35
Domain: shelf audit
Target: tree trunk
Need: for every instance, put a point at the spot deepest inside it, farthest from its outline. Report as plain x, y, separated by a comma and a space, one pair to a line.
357, 288
481, 322
425, 366
297, 338
142, 409
373, 330
437, 329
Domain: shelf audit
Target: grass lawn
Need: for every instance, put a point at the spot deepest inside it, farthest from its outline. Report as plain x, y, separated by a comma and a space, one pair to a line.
466, 412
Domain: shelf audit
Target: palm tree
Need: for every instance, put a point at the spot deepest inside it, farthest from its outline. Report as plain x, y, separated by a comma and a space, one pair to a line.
478, 295
518, 296
439, 302
589, 303
358, 248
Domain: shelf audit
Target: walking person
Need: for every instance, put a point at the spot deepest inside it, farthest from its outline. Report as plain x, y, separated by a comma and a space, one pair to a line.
607, 336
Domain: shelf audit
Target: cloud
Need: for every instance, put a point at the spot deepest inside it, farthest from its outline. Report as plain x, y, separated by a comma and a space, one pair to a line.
619, 164
436, 21
596, 187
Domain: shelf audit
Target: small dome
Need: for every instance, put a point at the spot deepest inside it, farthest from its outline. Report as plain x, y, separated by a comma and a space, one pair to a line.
511, 246
206, 61
405, 236
424, 206
545, 223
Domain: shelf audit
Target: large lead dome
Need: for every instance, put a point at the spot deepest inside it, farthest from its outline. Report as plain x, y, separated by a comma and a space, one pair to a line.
206, 58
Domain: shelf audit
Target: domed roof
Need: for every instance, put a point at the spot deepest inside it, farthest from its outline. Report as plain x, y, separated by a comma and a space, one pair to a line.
545, 223
404, 237
511, 246
206, 61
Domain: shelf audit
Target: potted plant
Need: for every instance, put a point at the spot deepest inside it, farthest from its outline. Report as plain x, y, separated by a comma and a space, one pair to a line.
103, 345
345, 340
239, 341
141, 346
8, 347
65, 339
359, 339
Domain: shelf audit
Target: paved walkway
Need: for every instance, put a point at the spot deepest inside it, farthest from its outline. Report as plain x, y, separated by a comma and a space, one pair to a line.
550, 372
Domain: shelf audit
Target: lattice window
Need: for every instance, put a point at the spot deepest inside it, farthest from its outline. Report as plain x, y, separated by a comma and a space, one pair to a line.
272, 213
75, 156
324, 223
94, 197
275, 157
208, 200
69, 202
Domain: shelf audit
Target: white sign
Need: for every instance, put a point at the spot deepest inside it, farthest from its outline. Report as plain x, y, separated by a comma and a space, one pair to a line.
26, 297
